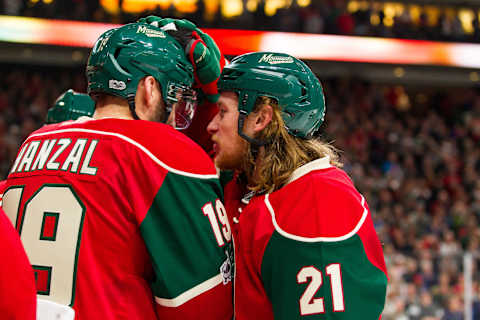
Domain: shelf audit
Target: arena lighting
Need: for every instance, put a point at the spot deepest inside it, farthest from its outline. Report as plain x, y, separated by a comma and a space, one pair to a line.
235, 42
51, 32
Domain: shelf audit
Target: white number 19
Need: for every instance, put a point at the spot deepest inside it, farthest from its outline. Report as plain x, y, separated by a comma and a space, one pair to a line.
50, 230
222, 217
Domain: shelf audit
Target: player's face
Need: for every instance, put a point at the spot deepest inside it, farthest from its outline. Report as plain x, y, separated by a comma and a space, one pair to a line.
228, 146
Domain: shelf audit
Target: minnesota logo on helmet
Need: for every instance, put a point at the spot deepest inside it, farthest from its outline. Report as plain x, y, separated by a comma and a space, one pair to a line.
281, 77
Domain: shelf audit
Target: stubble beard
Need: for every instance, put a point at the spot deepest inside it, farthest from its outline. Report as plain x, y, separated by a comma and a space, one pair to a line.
235, 159
159, 114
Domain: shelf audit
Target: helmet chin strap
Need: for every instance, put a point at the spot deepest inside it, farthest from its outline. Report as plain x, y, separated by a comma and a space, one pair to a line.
244, 101
131, 104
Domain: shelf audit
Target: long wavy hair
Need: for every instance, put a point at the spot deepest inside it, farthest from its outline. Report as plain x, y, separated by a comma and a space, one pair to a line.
269, 169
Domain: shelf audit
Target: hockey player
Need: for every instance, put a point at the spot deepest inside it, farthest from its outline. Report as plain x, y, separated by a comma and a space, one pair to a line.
208, 64
122, 219
304, 239
70, 105
17, 284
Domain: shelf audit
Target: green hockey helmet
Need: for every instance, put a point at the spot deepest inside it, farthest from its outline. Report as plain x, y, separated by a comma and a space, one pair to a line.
283, 78
123, 56
70, 105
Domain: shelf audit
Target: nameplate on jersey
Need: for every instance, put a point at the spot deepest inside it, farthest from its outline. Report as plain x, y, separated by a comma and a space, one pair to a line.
65, 154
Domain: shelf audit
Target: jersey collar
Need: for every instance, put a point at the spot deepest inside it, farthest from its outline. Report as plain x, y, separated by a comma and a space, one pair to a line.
322, 163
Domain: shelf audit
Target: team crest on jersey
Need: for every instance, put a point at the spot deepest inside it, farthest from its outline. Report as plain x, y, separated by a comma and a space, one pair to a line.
226, 269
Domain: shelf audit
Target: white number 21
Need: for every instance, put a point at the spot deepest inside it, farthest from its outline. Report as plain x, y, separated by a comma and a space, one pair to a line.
310, 305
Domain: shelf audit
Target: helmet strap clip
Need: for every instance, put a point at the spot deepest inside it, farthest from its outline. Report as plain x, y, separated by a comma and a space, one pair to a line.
131, 104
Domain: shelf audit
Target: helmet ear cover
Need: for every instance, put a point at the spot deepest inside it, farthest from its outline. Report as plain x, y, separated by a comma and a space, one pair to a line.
122, 57
283, 78
70, 105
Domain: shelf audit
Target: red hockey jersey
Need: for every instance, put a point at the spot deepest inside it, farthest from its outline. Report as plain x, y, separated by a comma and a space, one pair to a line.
120, 220
309, 248
18, 298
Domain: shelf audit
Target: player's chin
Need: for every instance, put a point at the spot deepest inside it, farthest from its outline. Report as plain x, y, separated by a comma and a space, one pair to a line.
224, 162
219, 163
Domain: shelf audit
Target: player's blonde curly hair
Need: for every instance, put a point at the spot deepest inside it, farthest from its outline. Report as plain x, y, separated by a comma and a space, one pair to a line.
283, 154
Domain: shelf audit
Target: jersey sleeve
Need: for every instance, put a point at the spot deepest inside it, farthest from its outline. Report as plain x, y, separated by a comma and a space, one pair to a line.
187, 234
343, 276
17, 283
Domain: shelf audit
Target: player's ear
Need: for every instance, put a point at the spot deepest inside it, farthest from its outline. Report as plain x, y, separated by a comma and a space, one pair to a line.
147, 97
262, 117
151, 92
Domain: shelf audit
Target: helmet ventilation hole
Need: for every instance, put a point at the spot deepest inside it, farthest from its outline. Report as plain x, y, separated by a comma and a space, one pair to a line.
117, 53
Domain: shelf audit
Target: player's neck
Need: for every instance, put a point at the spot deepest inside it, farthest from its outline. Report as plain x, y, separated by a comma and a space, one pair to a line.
112, 111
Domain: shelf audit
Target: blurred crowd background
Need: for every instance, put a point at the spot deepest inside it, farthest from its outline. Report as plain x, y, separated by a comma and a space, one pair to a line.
418, 19
412, 150
414, 153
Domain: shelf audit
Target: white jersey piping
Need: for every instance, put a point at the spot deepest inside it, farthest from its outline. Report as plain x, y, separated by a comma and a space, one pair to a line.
319, 164
136, 144
191, 293
317, 239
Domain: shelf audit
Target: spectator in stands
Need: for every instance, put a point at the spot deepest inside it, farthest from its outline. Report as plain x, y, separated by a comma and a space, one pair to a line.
454, 310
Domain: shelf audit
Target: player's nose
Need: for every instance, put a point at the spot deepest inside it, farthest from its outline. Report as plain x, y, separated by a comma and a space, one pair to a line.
213, 125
